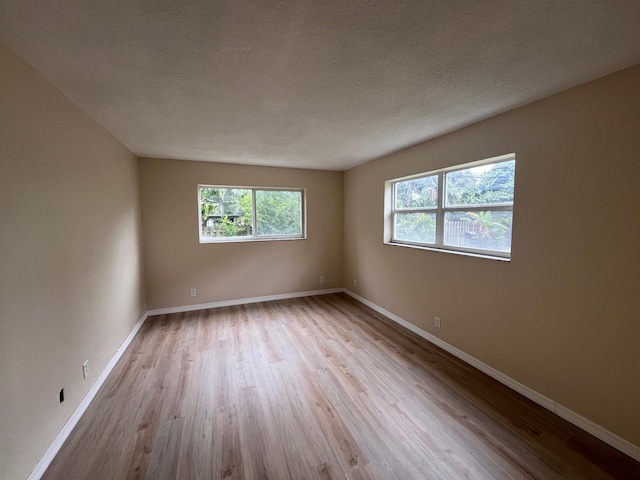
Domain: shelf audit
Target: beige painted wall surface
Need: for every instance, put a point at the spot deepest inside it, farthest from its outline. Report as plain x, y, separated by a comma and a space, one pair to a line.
175, 261
563, 317
71, 285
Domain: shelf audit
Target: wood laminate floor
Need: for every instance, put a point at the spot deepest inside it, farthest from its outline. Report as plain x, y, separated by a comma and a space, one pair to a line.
318, 387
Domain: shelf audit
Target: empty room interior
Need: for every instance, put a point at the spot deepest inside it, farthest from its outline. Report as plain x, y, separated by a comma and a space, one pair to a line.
354, 240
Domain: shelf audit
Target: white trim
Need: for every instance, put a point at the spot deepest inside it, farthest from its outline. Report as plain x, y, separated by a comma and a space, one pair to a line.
57, 443
53, 449
598, 431
241, 301
585, 424
254, 237
397, 243
440, 210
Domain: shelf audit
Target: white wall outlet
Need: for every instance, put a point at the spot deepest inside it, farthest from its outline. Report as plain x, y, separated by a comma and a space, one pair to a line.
321, 279
355, 282
85, 369
437, 322
193, 292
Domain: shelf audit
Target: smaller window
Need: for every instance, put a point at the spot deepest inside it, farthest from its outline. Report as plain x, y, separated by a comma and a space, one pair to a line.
468, 208
243, 213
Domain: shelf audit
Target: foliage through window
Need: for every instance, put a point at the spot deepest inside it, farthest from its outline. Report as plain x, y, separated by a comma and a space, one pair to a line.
467, 208
239, 213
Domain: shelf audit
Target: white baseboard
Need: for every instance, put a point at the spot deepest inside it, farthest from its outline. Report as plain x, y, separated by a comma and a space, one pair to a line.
594, 429
585, 424
53, 449
241, 301
599, 432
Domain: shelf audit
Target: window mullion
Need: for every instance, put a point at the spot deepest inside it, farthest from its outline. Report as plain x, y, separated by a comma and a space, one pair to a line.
440, 211
416, 210
254, 226
483, 208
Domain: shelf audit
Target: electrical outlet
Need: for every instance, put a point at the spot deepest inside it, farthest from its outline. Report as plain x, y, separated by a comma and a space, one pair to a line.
85, 369
437, 322
355, 282
193, 292
321, 279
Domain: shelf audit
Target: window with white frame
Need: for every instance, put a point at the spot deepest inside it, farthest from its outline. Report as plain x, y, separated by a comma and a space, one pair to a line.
246, 213
466, 208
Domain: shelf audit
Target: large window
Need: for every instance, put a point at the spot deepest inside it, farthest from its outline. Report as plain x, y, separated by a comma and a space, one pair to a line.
243, 213
468, 208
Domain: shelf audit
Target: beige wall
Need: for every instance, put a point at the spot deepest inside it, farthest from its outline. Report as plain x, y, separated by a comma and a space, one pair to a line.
563, 317
175, 261
70, 259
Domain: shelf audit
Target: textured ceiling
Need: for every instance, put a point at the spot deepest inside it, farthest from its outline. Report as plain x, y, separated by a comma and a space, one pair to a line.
322, 84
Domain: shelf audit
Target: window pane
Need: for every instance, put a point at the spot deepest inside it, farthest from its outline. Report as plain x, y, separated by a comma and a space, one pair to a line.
225, 212
483, 185
278, 212
417, 193
488, 230
416, 227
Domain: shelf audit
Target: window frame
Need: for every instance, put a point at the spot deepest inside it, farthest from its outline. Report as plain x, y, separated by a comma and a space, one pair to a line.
441, 209
254, 237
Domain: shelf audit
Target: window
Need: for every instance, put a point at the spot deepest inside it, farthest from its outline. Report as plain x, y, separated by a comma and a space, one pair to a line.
243, 213
467, 208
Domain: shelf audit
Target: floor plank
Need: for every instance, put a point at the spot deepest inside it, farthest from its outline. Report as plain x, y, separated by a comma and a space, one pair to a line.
314, 388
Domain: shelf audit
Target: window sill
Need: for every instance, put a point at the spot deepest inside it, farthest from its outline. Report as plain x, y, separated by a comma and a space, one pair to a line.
249, 240
455, 252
